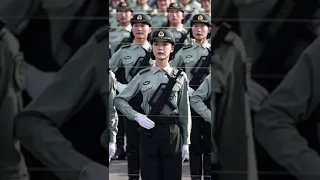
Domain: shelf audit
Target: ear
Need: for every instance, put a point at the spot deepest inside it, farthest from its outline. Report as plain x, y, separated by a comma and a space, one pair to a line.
172, 49
150, 30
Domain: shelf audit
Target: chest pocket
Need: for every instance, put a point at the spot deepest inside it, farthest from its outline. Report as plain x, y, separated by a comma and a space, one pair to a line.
189, 58
146, 89
128, 59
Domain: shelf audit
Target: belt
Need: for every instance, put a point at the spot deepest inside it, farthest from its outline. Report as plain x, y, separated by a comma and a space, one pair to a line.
164, 119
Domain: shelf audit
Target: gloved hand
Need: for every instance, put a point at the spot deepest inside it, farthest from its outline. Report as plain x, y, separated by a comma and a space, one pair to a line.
190, 91
185, 152
94, 171
121, 87
144, 121
112, 150
257, 94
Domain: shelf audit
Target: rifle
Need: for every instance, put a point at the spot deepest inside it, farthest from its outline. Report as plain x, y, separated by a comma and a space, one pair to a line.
200, 70
161, 97
140, 64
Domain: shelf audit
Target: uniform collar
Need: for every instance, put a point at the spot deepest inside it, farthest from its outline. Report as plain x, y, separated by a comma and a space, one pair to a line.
167, 69
128, 28
146, 46
180, 29
204, 45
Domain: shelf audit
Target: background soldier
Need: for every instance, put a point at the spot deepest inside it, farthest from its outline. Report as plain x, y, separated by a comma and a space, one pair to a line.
126, 63
108, 93
161, 136
159, 15
12, 165
142, 7
190, 58
121, 35
175, 19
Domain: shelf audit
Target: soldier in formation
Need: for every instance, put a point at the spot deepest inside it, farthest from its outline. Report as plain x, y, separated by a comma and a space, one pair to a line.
190, 58
126, 63
165, 122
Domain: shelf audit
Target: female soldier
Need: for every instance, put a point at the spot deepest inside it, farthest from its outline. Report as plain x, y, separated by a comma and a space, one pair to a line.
162, 143
175, 19
188, 58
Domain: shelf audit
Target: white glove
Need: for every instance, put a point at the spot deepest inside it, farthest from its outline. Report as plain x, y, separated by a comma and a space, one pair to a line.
112, 150
144, 121
121, 87
190, 91
185, 152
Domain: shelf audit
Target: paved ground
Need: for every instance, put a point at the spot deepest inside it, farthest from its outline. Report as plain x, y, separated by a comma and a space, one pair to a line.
118, 171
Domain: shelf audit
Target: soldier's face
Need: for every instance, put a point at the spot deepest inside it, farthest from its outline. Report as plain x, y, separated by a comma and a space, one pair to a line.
163, 4
141, 30
142, 2
185, 1
206, 4
162, 49
115, 3
175, 16
200, 31
124, 16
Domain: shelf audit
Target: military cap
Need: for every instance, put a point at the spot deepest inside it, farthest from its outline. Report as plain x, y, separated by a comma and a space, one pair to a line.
163, 35
124, 6
141, 18
175, 5
201, 18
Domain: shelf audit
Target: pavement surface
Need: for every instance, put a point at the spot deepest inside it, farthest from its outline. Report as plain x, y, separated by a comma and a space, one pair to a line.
118, 170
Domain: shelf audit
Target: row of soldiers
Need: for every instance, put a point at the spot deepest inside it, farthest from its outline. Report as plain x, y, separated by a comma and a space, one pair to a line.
39, 121
190, 47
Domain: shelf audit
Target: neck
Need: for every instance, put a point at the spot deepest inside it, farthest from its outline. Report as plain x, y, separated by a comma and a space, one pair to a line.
141, 5
140, 42
162, 11
176, 25
161, 64
208, 11
124, 25
201, 41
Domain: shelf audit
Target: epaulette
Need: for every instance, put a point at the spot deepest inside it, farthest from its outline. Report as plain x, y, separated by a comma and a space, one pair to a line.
144, 71
125, 46
187, 46
112, 29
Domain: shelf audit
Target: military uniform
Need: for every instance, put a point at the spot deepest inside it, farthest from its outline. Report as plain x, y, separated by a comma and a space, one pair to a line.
181, 35
75, 90
202, 94
287, 125
108, 93
188, 58
161, 146
126, 63
120, 36
191, 9
158, 20
12, 165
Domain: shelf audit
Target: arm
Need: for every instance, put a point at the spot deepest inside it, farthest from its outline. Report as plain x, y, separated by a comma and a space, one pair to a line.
122, 99
37, 126
115, 61
291, 102
113, 116
184, 111
199, 96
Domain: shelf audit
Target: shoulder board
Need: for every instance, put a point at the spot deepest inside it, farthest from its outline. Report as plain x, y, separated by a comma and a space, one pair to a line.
187, 46
125, 46
112, 29
144, 71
